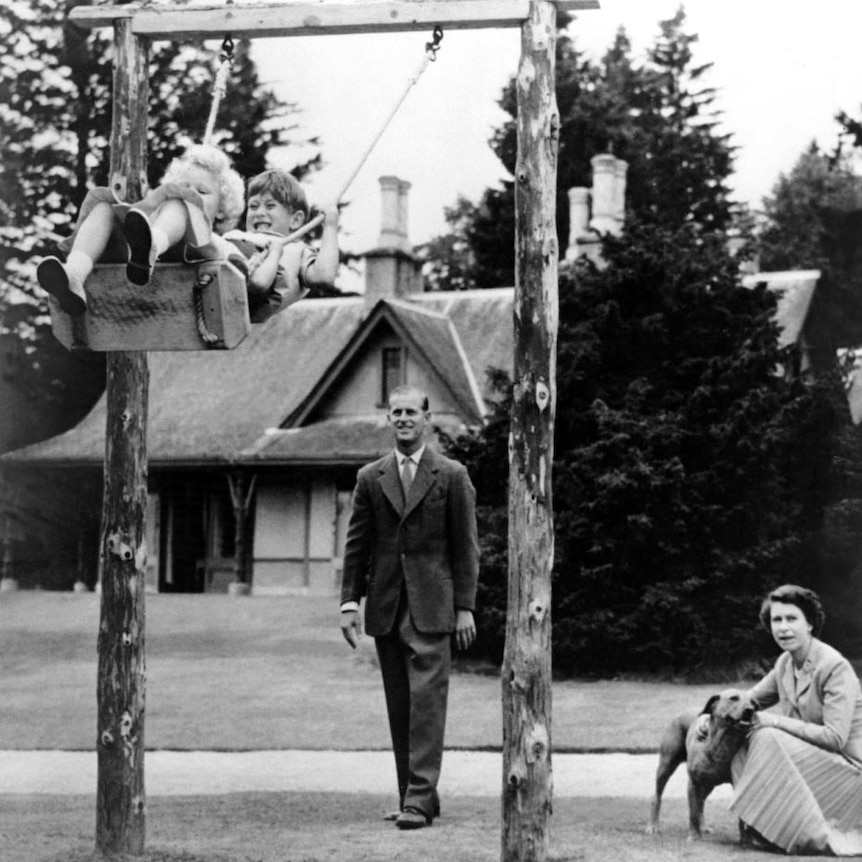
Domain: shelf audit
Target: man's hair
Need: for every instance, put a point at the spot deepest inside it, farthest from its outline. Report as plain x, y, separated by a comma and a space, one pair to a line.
410, 389
230, 184
284, 187
806, 600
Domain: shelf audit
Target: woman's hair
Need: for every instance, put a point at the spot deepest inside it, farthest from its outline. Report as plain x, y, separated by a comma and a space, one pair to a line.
806, 600
284, 187
231, 187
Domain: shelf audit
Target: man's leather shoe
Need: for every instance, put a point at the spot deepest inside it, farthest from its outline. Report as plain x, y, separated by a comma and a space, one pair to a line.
412, 818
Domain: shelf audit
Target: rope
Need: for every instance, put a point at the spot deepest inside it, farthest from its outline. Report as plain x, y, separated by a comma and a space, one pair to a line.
219, 86
430, 56
219, 90
208, 338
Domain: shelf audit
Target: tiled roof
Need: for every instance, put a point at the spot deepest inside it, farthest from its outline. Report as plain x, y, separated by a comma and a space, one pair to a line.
795, 290
346, 442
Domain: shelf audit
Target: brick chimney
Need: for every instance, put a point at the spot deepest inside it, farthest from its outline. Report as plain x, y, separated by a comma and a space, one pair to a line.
391, 270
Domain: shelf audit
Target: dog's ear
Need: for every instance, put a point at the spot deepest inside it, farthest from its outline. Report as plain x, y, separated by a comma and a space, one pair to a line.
710, 705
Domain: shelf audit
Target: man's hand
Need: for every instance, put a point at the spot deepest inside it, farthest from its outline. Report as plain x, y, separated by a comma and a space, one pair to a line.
351, 627
465, 629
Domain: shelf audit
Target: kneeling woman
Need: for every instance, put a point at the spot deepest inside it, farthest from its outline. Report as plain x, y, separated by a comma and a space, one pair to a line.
798, 781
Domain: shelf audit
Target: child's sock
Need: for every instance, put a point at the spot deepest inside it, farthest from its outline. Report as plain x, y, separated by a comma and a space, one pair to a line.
161, 241
79, 264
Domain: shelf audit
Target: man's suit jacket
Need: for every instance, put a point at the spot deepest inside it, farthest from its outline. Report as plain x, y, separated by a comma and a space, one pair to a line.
824, 707
428, 544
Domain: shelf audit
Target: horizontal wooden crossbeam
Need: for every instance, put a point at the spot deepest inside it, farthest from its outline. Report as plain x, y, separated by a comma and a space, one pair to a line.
319, 18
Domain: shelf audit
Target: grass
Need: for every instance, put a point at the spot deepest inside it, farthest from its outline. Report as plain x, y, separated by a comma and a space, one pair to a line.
268, 673
281, 827
256, 673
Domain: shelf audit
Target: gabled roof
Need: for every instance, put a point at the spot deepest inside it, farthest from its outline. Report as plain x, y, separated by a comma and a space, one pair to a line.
215, 407
795, 289
348, 442
428, 334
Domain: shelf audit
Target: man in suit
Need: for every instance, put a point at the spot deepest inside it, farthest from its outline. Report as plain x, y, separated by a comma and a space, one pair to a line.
412, 552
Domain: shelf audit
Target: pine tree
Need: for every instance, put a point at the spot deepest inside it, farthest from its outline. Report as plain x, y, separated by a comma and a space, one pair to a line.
689, 476
658, 116
796, 213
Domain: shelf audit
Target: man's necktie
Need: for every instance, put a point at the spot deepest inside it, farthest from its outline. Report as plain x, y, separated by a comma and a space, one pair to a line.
407, 476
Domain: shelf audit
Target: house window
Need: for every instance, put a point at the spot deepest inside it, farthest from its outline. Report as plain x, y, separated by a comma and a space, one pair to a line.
392, 371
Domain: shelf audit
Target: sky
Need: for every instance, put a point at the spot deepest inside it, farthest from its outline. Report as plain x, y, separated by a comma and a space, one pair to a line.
782, 68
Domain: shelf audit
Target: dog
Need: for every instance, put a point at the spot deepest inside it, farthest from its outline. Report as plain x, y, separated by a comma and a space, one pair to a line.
707, 757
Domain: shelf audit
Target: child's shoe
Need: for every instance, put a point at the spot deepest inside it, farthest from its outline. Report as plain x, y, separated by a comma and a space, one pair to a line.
63, 285
142, 254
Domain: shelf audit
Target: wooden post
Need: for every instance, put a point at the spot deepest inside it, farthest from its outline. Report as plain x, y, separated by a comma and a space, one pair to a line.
241, 486
526, 679
120, 809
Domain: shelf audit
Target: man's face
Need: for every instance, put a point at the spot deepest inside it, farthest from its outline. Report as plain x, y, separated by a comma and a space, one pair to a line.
408, 420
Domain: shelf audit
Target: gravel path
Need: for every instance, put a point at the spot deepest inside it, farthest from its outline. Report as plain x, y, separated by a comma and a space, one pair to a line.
465, 773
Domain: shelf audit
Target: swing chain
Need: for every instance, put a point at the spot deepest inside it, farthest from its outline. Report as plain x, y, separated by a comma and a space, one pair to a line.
226, 55
432, 47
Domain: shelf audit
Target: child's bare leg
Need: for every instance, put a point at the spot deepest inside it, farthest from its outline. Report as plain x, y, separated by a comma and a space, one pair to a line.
66, 281
150, 237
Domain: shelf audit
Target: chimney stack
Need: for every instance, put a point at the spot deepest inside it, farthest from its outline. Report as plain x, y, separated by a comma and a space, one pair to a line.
608, 196
391, 270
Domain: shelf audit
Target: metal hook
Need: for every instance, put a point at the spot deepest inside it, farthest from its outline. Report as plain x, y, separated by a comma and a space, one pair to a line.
226, 55
432, 47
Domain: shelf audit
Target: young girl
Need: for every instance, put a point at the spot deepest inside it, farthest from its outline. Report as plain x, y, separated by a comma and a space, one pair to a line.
200, 196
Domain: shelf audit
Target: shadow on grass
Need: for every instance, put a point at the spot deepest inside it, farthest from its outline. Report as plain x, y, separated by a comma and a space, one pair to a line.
289, 827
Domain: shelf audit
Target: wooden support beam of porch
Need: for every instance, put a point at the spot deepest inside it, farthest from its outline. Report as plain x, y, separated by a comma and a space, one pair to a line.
320, 18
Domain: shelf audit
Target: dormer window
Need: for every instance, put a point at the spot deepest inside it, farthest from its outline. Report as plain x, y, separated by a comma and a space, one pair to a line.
392, 371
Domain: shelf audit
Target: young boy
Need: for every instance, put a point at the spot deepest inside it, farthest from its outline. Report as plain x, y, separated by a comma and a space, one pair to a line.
201, 195
281, 272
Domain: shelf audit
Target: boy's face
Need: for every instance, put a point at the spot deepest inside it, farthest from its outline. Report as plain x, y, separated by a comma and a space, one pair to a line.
265, 213
206, 184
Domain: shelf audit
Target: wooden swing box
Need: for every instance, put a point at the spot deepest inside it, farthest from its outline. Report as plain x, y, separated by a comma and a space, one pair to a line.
526, 672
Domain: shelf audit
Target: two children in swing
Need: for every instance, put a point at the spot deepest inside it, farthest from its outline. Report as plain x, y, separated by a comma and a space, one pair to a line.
185, 218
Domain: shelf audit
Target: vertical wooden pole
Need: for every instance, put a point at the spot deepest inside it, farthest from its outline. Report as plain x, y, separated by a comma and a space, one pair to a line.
527, 790
120, 808
241, 486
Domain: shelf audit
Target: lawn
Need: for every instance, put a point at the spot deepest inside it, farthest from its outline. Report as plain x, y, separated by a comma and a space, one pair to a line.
251, 673
267, 673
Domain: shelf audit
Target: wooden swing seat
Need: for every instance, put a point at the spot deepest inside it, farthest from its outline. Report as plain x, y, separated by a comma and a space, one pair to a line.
161, 315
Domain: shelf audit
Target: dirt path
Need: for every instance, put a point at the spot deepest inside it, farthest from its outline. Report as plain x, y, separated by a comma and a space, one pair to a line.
465, 773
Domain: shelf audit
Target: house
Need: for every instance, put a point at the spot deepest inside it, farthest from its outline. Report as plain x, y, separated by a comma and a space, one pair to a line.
271, 434
286, 419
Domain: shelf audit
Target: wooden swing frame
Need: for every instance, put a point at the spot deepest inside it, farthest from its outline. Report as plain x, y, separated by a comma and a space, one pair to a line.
526, 673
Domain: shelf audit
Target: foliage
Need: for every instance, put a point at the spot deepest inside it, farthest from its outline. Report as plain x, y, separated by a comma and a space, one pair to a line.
797, 212
55, 90
688, 475
657, 115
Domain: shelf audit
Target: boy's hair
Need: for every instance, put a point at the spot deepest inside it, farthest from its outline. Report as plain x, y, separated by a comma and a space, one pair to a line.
231, 188
284, 187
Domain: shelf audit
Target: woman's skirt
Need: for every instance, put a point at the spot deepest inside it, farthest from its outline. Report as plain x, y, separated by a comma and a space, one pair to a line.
800, 797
